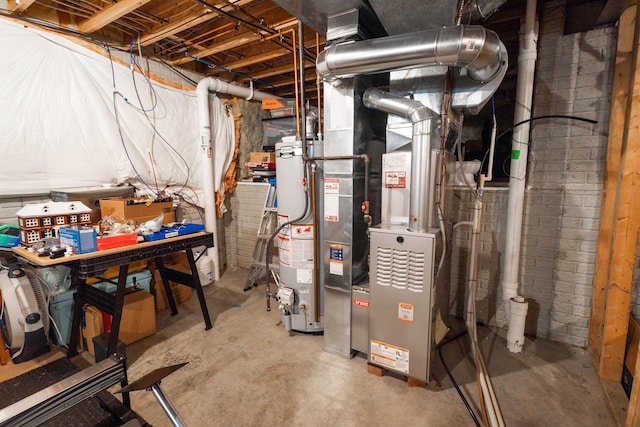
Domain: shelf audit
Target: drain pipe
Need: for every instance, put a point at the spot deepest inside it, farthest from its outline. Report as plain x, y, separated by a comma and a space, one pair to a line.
515, 306
421, 117
204, 120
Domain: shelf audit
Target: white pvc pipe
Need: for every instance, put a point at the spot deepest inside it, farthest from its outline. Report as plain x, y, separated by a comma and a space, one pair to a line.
524, 96
518, 308
204, 120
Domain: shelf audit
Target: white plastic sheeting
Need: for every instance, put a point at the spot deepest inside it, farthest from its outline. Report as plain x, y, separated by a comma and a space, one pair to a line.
72, 117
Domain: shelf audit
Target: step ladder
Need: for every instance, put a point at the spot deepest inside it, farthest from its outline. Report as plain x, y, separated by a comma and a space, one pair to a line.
267, 227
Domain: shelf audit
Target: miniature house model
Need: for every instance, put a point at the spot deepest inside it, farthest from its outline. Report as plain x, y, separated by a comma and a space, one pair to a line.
41, 220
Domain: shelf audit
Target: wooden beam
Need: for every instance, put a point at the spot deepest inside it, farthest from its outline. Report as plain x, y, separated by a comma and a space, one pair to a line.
235, 42
190, 21
277, 71
625, 232
617, 120
184, 24
14, 6
109, 14
244, 62
633, 413
289, 80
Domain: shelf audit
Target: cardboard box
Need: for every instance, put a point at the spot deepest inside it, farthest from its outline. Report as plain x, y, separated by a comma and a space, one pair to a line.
631, 355
137, 210
138, 317
81, 239
262, 157
91, 327
181, 293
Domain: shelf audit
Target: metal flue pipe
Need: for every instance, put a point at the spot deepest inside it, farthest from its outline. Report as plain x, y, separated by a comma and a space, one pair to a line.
204, 120
472, 47
421, 118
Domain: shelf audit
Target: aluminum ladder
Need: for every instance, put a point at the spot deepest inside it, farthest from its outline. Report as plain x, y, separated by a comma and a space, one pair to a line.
267, 227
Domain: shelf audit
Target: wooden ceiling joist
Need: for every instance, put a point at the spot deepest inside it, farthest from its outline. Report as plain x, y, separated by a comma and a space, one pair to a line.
109, 14
235, 42
187, 22
277, 71
255, 59
18, 6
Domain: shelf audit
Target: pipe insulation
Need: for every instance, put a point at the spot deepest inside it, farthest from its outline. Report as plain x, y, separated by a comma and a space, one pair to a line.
474, 48
204, 120
421, 120
519, 149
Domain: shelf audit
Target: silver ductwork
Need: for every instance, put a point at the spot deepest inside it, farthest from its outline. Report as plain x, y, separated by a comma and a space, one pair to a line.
474, 48
421, 119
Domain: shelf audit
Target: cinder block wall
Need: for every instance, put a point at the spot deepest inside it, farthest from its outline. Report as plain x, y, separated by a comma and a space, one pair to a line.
9, 206
242, 221
562, 202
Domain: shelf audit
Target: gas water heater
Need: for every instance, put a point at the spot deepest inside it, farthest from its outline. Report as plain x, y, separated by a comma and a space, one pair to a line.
298, 296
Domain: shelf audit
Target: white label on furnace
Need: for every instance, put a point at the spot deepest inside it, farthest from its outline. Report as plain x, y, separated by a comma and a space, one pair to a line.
331, 200
390, 356
304, 276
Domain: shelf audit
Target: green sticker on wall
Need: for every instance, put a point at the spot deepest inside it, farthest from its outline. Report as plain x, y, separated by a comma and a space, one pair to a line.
515, 154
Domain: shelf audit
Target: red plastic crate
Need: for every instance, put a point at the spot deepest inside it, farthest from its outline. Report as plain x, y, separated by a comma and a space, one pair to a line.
110, 242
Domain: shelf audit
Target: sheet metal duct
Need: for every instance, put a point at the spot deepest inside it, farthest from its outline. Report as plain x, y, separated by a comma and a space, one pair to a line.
472, 47
421, 118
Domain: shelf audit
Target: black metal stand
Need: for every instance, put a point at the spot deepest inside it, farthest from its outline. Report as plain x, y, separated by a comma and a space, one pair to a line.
94, 266
151, 382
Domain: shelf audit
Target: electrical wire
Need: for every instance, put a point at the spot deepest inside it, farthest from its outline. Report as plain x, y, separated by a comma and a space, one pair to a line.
155, 130
550, 116
277, 231
115, 110
532, 119
453, 381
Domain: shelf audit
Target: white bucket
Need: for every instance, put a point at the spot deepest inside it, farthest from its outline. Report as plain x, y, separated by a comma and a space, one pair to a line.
205, 268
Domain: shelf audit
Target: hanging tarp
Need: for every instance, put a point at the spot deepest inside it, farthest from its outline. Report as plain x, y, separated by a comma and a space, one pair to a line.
73, 117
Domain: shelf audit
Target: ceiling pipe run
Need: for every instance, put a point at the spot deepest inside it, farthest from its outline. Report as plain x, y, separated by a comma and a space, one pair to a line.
421, 119
204, 120
474, 48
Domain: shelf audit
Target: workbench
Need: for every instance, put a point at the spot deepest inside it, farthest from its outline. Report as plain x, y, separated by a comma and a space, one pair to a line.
93, 264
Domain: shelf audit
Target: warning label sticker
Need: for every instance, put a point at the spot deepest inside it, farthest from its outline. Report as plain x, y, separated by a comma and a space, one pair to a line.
405, 312
390, 356
331, 200
395, 179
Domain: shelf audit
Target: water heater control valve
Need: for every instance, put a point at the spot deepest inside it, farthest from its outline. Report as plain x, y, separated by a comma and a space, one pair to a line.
285, 296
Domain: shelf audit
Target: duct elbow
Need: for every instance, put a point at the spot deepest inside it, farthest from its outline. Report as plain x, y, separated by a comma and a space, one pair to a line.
489, 59
408, 108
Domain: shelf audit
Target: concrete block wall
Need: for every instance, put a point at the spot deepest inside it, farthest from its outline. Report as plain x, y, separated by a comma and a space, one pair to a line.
564, 185
242, 221
10, 205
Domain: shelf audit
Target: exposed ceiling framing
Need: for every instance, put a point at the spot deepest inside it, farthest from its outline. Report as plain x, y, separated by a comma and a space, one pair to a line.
235, 40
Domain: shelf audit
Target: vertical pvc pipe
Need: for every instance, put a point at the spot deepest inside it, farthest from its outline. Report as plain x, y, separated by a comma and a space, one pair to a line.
207, 152
208, 186
519, 153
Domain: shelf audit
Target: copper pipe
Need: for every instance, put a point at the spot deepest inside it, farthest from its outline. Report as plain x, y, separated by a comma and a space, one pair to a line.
318, 82
315, 240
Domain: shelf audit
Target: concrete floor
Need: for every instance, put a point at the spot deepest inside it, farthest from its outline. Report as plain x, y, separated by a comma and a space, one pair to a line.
248, 371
